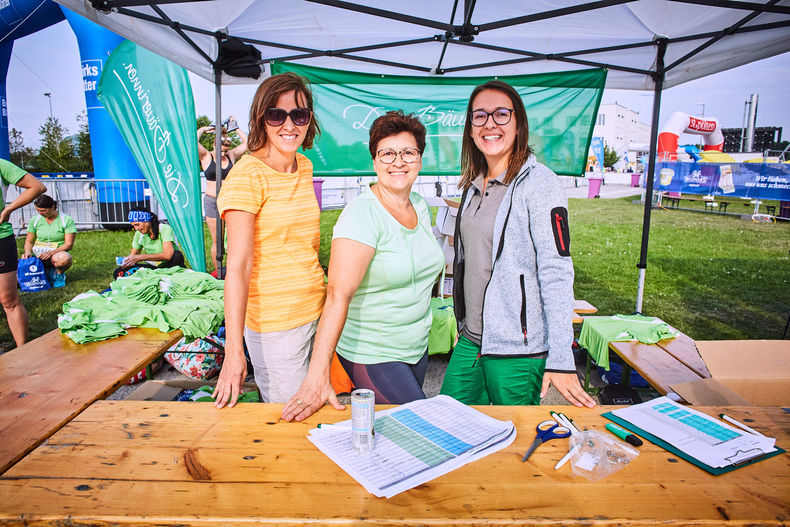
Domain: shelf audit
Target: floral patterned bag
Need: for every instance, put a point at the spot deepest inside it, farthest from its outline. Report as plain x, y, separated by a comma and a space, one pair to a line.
199, 359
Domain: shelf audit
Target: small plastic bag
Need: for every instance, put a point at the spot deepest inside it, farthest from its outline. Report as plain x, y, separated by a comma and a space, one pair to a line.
596, 455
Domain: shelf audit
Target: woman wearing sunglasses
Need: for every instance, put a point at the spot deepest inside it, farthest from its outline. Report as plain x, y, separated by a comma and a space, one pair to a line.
383, 264
274, 288
513, 292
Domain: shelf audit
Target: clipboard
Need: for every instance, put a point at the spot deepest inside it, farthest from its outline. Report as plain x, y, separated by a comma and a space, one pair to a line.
694, 461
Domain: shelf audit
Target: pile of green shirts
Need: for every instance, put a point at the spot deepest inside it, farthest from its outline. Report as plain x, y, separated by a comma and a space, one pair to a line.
598, 332
166, 299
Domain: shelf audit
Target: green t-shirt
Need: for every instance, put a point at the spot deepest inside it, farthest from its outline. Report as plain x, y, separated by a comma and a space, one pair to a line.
10, 174
389, 317
54, 232
149, 246
598, 332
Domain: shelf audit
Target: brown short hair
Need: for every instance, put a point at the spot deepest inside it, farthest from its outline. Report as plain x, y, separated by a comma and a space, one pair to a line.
393, 123
473, 162
266, 97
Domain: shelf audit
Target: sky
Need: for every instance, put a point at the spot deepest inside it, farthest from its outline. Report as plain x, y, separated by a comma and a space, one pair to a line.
49, 62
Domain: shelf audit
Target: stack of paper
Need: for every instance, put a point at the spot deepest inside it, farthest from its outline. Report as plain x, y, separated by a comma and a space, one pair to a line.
415, 443
713, 442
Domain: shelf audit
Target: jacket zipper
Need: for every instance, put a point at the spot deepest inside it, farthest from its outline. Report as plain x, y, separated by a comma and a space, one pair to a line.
558, 221
523, 308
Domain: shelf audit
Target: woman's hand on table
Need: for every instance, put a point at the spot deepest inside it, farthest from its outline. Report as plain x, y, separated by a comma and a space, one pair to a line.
231, 378
310, 397
569, 387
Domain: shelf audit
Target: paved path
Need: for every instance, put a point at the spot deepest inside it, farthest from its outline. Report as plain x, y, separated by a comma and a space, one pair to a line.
610, 191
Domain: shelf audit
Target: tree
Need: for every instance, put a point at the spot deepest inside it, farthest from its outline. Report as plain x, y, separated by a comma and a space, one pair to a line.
610, 157
84, 161
57, 151
21, 155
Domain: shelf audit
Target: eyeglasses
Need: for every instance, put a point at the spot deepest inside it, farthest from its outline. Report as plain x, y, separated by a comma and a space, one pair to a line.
407, 155
501, 116
277, 116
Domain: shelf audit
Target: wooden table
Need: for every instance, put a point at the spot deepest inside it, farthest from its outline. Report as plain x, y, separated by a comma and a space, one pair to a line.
169, 463
667, 362
49, 380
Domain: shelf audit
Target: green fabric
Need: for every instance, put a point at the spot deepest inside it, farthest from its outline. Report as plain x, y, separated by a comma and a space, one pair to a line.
598, 332
52, 232
561, 108
482, 379
166, 299
10, 174
150, 100
149, 246
389, 317
443, 327
203, 395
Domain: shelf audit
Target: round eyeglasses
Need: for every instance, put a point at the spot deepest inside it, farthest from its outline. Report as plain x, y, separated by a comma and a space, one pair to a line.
407, 155
501, 116
277, 116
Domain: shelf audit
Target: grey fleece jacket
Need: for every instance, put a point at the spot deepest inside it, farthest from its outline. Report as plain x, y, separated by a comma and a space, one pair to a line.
528, 303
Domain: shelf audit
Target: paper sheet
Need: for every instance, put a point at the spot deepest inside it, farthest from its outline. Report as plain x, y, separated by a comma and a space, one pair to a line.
415, 443
702, 437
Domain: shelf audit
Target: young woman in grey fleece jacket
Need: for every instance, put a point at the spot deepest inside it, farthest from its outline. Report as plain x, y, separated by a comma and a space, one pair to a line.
513, 290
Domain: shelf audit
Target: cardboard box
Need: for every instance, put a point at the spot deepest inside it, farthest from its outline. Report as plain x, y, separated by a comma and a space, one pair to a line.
167, 390
743, 372
445, 217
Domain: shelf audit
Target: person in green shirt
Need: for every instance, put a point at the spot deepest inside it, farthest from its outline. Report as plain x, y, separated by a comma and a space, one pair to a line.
15, 312
50, 237
383, 265
152, 242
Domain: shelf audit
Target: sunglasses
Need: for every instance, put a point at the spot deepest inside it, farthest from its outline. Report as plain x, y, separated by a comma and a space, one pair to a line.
277, 116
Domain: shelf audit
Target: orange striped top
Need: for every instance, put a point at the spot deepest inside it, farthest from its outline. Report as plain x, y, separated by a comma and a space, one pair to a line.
287, 283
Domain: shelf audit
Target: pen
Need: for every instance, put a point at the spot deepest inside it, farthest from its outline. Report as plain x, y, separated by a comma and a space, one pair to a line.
567, 456
332, 426
625, 435
740, 425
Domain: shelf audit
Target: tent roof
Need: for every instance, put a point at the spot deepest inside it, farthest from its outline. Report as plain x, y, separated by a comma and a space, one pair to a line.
499, 37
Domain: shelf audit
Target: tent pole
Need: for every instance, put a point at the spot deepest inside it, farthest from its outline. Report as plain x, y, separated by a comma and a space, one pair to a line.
218, 165
658, 78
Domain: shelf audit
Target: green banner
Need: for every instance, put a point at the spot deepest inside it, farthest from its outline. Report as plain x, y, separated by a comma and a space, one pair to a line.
150, 100
561, 108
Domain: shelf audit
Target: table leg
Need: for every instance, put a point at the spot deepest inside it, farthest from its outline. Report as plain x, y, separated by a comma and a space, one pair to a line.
626, 375
587, 372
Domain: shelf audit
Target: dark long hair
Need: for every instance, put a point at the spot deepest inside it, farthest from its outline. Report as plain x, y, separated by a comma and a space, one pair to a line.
154, 221
266, 97
45, 201
473, 162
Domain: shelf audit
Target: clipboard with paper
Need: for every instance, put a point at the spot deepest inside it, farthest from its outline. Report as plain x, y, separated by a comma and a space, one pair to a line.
694, 436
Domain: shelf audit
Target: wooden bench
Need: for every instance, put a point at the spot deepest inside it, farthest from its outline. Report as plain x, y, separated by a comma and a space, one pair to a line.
582, 307
48, 381
173, 463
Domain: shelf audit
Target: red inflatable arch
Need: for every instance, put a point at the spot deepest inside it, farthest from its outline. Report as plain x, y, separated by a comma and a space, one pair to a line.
680, 123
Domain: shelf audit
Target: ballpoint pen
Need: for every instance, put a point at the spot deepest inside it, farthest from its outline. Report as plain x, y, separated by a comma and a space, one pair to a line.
740, 425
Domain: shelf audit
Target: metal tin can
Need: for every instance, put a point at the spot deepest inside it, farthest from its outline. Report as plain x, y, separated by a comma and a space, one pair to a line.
363, 413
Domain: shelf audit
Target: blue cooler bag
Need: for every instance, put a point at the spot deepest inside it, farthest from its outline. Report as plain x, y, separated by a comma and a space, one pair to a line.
31, 276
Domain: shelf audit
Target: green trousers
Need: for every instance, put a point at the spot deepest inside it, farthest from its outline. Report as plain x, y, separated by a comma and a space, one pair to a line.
492, 380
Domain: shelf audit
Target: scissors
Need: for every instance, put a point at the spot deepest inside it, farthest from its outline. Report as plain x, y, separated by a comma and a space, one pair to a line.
547, 430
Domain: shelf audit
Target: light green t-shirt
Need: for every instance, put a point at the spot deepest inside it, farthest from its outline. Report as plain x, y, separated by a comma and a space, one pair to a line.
149, 246
389, 317
10, 174
54, 232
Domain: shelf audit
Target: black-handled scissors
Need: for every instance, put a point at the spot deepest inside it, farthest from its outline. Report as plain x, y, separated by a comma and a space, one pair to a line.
547, 430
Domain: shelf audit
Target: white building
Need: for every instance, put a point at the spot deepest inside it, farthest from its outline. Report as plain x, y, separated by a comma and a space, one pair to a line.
623, 132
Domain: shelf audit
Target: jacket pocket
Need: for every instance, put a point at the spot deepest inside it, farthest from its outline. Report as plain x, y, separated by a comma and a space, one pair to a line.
523, 308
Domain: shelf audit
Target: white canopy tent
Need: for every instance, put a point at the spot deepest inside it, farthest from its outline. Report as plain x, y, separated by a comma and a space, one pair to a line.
644, 44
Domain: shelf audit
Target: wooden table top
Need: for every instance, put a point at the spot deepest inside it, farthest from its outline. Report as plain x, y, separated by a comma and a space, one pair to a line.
584, 307
169, 463
49, 380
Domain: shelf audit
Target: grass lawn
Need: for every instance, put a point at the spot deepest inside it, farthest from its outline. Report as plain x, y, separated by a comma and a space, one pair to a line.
709, 275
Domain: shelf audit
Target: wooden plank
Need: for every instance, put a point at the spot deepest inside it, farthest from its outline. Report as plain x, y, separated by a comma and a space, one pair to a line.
167, 463
684, 349
584, 307
49, 380
658, 367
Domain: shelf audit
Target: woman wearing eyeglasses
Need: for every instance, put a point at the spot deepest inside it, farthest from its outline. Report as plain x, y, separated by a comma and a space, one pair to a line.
383, 264
274, 288
513, 292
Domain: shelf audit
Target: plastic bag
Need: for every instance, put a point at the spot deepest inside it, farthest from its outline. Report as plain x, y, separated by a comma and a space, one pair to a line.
31, 275
598, 455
